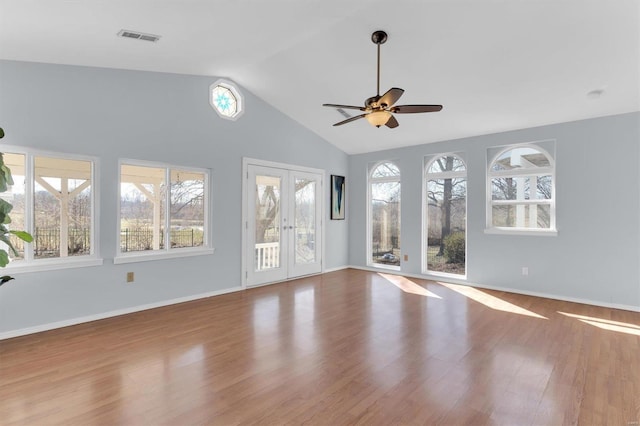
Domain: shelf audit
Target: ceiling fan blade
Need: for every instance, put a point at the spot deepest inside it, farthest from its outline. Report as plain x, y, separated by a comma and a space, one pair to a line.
392, 123
391, 97
349, 120
345, 106
412, 109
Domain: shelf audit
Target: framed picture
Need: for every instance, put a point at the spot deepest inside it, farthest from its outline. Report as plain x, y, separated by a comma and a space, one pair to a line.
338, 200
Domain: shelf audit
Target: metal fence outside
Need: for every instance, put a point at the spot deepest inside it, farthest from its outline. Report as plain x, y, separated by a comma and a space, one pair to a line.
47, 240
139, 239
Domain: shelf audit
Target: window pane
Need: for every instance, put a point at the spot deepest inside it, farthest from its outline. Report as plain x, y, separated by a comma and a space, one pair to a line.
305, 221
522, 216
510, 188
62, 207
187, 209
224, 101
520, 158
543, 187
446, 225
385, 170
519, 188
142, 206
447, 164
385, 223
15, 195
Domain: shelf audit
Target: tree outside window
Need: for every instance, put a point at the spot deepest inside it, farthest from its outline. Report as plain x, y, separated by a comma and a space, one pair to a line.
446, 211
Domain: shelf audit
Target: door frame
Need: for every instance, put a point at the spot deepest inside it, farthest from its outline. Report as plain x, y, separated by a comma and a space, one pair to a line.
246, 162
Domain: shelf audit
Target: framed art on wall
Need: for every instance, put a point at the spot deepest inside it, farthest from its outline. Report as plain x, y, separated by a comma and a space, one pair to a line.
338, 200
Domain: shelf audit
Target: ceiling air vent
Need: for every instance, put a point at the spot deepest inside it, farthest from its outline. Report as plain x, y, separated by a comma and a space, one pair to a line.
138, 36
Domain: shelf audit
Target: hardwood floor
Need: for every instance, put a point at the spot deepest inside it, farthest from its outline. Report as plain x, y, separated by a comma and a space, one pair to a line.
348, 347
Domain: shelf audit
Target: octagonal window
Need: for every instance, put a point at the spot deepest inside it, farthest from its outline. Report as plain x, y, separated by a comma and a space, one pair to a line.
225, 99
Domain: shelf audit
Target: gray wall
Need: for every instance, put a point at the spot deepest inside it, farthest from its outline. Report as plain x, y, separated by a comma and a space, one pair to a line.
114, 114
595, 255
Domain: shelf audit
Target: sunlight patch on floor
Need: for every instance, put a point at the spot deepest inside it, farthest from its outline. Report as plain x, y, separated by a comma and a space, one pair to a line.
489, 300
407, 285
605, 324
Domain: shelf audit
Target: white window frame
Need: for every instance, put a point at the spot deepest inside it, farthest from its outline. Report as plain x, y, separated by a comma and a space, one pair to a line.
540, 171
428, 161
233, 88
167, 252
29, 263
370, 181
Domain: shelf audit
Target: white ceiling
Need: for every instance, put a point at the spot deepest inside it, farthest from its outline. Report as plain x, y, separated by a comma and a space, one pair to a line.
495, 65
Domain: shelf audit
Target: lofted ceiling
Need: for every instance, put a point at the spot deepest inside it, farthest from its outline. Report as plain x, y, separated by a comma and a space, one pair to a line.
495, 65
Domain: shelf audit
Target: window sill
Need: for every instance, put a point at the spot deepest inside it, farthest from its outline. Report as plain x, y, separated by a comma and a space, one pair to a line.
52, 264
161, 255
522, 231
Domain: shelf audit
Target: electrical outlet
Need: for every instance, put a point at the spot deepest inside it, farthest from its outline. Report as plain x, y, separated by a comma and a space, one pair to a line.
406, 257
525, 270
129, 277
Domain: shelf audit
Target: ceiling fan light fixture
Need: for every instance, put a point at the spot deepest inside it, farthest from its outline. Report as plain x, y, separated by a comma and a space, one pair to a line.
378, 118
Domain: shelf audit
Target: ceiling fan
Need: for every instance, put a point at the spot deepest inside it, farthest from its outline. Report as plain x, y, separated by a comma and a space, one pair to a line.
379, 110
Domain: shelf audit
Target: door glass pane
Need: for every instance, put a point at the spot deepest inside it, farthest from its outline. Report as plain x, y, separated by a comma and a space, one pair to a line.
267, 238
305, 221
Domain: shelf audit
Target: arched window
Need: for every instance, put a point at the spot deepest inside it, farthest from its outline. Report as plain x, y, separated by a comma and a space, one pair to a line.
226, 100
384, 216
445, 213
521, 191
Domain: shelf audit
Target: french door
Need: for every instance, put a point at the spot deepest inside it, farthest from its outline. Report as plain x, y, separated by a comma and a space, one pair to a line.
283, 224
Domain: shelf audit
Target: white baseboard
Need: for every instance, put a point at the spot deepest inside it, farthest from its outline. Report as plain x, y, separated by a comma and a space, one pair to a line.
110, 314
631, 308
563, 298
339, 268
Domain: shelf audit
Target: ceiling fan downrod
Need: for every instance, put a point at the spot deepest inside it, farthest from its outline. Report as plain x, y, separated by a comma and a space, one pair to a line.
378, 37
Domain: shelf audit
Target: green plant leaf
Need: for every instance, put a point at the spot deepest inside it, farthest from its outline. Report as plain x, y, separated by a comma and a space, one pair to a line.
4, 258
6, 172
23, 235
5, 208
1, 133
5, 239
5, 278
5, 175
